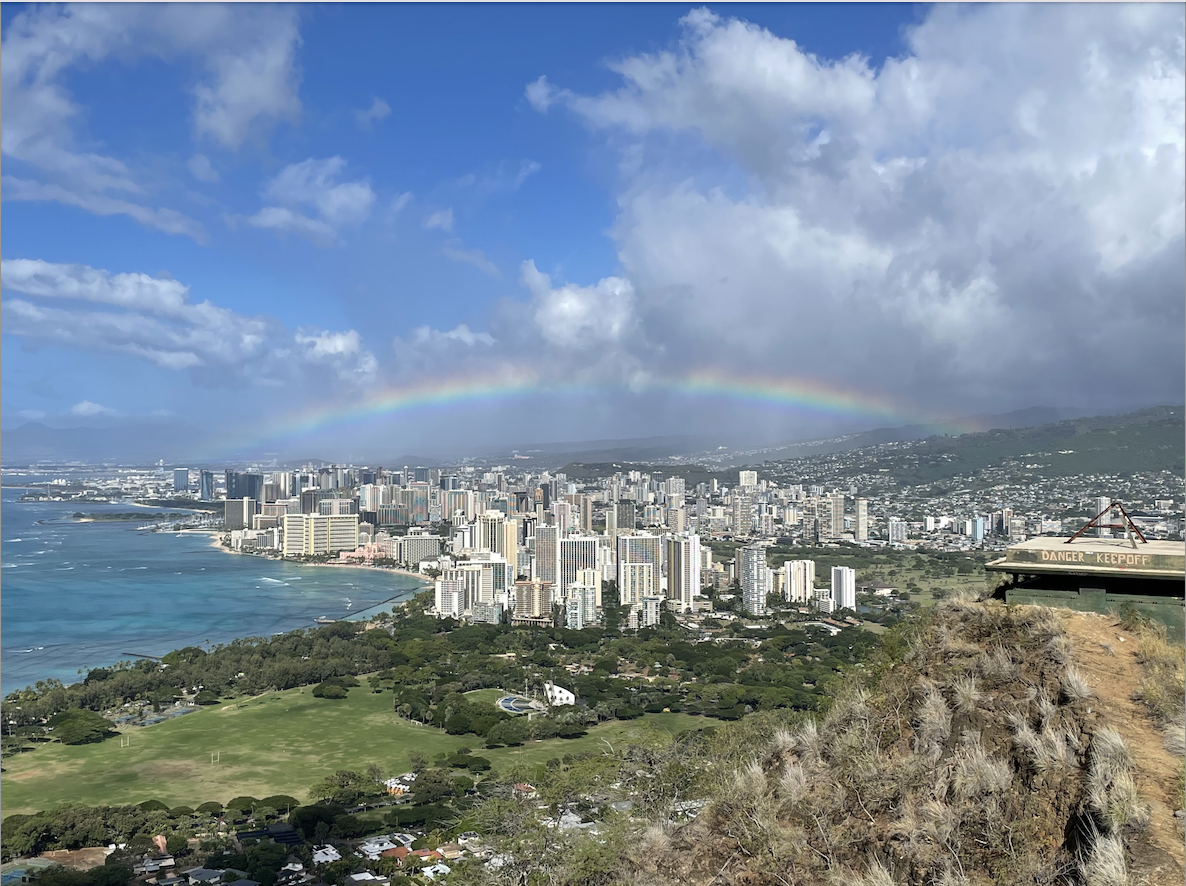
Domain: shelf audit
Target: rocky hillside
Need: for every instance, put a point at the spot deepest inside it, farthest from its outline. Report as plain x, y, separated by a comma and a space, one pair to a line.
987, 754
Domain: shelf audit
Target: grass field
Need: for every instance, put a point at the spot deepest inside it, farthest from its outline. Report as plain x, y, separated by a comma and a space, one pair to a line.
280, 742
490, 695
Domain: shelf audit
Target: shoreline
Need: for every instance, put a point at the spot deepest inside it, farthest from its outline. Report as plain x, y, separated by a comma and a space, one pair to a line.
216, 542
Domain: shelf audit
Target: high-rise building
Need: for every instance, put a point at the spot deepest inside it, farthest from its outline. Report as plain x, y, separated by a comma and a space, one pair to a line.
635, 549
1103, 503
237, 513
581, 607
747, 479
635, 581
651, 611
862, 522
206, 486
547, 554
337, 507
754, 579
798, 580
835, 514
181, 479
244, 485
978, 529
533, 598
627, 516
683, 570
896, 531
844, 587
743, 510
577, 553
312, 534
450, 597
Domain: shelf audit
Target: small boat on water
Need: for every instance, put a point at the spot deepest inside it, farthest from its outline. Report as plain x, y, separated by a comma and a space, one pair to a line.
326, 621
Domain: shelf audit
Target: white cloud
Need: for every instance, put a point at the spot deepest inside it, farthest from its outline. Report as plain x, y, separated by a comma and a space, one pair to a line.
423, 335
152, 318
32, 414
280, 218
168, 220
378, 110
86, 407
249, 80
959, 226
341, 350
527, 168
315, 183
442, 219
473, 257
200, 168
580, 316
400, 202
541, 95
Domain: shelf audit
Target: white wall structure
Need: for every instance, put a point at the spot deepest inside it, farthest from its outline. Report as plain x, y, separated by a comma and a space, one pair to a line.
558, 695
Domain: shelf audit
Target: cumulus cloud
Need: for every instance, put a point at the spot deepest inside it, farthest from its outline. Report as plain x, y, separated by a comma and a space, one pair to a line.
970, 225
314, 184
377, 111
441, 219
248, 81
580, 316
153, 318
86, 407
341, 350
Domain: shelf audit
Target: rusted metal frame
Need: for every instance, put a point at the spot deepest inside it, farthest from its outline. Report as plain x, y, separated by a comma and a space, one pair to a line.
1128, 523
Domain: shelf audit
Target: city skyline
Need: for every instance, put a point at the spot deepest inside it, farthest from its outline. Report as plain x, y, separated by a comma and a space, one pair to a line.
783, 221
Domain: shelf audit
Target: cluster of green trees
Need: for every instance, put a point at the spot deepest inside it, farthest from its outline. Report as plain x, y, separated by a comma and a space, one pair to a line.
428, 664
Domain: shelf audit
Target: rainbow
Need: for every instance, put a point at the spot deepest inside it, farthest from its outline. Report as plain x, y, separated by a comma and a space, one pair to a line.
781, 394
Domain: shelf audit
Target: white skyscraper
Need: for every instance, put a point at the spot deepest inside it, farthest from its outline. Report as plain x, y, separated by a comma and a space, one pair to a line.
747, 479
450, 597
652, 610
798, 580
862, 522
1101, 504
633, 550
897, 531
754, 580
683, 570
844, 587
577, 553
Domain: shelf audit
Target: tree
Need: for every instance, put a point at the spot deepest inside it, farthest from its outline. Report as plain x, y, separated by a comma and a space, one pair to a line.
80, 726
418, 761
175, 844
345, 787
433, 785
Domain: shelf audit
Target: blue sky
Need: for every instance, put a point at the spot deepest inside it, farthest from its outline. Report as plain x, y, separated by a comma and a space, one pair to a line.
852, 196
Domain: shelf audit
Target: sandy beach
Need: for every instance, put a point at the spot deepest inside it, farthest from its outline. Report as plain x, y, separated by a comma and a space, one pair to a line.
216, 542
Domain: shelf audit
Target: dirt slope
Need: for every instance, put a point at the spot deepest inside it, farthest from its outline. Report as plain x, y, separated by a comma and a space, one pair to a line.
1114, 676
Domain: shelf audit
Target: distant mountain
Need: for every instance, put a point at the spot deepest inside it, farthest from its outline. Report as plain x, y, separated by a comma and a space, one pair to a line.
1147, 440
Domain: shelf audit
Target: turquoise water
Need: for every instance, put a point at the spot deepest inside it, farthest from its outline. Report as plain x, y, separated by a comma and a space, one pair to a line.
82, 595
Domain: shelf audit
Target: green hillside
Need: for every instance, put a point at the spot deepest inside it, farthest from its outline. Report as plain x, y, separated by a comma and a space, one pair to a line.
1150, 440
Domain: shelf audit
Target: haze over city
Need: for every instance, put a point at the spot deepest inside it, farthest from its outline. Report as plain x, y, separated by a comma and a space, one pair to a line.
340, 231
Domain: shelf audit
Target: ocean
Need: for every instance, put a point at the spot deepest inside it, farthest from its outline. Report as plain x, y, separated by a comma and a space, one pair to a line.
75, 596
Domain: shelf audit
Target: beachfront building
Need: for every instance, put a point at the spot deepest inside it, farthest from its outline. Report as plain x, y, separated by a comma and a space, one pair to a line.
312, 534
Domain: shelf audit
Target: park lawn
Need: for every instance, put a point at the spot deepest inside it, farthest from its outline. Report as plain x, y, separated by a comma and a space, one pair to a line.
276, 743
490, 695
613, 732
279, 742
